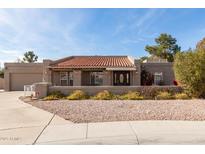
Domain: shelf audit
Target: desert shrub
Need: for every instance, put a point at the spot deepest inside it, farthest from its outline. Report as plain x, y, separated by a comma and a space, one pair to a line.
116, 97
132, 95
150, 92
50, 97
181, 96
55, 95
78, 95
164, 95
104, 95
189, 68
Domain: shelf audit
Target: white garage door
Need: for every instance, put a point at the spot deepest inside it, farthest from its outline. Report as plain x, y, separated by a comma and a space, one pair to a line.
19, 80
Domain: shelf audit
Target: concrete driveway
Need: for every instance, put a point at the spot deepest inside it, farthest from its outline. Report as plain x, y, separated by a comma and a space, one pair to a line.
22, 123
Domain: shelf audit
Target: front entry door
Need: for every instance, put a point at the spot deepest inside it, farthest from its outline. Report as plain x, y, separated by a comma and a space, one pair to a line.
121, 78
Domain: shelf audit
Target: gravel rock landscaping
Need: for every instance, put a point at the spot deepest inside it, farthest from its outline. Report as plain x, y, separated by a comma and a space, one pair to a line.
123, 110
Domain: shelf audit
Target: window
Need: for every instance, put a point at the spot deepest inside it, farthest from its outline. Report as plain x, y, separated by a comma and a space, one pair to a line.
121, 78
63, 78
128, 78
158, 78
71, 78
115, 77
96, 78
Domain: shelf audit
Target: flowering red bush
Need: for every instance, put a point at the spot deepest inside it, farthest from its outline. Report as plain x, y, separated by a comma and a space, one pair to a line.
175, 82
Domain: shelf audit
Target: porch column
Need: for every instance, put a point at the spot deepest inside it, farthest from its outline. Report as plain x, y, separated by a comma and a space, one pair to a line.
107, 78
7, 81
137, 74
77, 78
47, 74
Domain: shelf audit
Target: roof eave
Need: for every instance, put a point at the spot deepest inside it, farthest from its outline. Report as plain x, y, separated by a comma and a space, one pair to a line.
121, 68
93, 67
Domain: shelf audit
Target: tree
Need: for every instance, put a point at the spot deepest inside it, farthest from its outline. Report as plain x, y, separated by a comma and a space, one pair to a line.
1, 73
189, 68
146, 78
165, 47
30, 57
201, 44
143, 58
18, 60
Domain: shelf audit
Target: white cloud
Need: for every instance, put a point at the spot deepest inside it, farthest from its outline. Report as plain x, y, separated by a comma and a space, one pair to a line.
133, 41
138, 25
147, 20
144, 19
118, 29
9, 56
43, 32
39, 30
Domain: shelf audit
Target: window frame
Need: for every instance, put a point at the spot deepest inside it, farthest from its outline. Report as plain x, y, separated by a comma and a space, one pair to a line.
158, 75
95, 74
70, 78
66, 78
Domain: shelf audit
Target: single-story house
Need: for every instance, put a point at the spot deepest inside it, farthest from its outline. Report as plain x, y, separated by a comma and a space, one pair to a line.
87, 71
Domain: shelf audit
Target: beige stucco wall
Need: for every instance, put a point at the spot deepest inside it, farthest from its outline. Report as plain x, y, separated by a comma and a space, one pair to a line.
19, 74
134, 78
56, 78
1, 83
77, 78
41, 89
137, 73
47, 73
165, 68
92, 90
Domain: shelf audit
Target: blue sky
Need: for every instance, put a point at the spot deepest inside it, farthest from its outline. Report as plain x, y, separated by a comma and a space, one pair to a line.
56, 33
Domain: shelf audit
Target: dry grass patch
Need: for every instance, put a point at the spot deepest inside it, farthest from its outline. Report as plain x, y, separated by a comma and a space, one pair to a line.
164, 95
104, 95
132, 95
77, 95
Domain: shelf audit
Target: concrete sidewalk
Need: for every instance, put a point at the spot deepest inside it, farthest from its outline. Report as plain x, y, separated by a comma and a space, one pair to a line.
22, 123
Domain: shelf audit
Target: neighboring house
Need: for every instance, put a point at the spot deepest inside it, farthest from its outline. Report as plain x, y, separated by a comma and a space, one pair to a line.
86, 71
154, 59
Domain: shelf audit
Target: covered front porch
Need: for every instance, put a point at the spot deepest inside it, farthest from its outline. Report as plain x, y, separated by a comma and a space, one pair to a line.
93, 71
94, 77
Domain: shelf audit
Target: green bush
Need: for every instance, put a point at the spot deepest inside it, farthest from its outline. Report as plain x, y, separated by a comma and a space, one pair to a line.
1, 73
164, 95
132, 95
189, 68
78, 95
104, 95
55, 95
181, 96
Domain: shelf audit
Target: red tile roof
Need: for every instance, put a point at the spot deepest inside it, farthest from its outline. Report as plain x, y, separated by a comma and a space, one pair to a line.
93, 62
